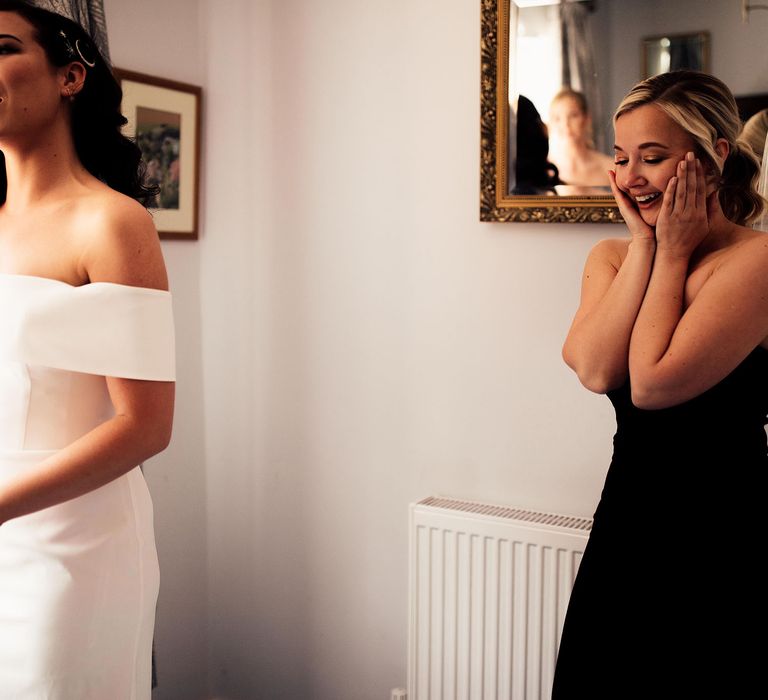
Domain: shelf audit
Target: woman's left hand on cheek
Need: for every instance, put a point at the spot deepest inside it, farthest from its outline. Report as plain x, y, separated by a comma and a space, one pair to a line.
683, 222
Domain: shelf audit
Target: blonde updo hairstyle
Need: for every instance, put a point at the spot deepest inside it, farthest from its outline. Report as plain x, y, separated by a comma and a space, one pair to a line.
704, 107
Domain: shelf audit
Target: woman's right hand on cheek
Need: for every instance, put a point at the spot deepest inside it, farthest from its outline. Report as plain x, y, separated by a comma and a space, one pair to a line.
637, 227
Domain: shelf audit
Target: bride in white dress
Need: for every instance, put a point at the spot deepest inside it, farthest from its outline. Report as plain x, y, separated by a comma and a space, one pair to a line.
86, 373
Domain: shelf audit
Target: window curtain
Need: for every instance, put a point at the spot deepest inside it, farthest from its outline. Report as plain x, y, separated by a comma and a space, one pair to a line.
578, 66
89, 14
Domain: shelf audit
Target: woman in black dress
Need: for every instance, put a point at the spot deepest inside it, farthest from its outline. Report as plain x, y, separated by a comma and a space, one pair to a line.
673, 326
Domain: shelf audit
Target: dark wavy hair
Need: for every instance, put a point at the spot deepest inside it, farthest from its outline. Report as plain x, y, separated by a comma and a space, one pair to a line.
96, 116
705, 109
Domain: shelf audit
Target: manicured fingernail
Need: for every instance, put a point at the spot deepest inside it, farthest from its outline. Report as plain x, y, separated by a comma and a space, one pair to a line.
689, 155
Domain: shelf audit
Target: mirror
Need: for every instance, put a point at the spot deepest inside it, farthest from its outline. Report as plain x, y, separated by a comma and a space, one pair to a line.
522, 45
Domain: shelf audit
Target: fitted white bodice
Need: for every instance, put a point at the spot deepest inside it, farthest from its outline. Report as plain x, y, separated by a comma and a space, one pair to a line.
57, 344
45, 408
78, 580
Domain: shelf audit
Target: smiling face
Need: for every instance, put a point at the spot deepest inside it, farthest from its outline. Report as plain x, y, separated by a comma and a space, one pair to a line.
30, 87
649, 146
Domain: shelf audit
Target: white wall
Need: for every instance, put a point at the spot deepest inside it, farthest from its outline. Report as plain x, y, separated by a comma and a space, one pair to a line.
240, 306
367, 341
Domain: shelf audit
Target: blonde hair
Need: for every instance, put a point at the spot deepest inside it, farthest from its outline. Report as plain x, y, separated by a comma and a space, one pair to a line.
704, 107
581, 102
577, 97
754, 132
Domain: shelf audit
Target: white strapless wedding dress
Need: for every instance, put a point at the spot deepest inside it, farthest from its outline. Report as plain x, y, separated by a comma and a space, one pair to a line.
78, 581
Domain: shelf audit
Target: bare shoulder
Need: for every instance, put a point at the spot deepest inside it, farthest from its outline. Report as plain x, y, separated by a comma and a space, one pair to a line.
754, 242
120, 242
737, 270
750, 251
610, 251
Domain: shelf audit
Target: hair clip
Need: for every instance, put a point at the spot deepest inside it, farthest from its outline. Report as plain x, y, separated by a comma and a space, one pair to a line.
90, 64
75, 53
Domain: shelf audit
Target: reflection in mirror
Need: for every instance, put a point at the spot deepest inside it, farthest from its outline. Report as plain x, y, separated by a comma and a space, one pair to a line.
581, 166
535, 47
674, 52
554, 100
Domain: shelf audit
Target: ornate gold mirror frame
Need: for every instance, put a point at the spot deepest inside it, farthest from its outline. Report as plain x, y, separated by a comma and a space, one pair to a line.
495, 203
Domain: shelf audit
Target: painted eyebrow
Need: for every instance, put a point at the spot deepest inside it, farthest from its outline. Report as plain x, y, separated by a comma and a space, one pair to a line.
11, 36
647, 144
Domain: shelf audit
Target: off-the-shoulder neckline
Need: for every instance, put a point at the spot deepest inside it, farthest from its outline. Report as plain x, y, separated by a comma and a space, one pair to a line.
81, 286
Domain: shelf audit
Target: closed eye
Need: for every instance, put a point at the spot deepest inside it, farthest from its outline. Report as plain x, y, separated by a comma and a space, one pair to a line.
650, 161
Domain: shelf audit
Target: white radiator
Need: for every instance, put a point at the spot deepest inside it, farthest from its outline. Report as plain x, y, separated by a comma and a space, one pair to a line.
489, 588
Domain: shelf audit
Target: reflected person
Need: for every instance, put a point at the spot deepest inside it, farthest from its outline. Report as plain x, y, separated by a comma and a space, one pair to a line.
571, 146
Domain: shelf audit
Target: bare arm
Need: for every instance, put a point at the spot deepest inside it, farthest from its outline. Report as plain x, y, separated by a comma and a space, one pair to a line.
126, 252
676, 354
597, 346
101, 455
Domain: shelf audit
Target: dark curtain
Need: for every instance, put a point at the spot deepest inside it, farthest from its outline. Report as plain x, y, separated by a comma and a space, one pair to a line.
579, 71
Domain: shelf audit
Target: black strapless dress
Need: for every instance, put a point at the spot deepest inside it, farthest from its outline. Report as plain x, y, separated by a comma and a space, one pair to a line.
669, 601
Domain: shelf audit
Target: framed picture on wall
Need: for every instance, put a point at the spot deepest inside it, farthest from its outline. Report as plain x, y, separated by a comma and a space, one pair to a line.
661, 54
164, 118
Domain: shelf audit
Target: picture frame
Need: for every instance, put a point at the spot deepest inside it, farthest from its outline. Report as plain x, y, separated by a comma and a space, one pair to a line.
164, 117
663, 53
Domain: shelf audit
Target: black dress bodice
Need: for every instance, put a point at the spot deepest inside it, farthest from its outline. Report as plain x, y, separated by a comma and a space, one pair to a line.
728, 417
689, 457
